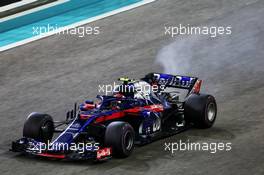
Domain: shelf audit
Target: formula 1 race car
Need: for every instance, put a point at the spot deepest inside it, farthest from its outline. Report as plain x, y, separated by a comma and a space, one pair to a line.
137, 112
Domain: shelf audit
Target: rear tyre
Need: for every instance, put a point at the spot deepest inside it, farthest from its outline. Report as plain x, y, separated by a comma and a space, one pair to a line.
120, 136
201, 110
39, 127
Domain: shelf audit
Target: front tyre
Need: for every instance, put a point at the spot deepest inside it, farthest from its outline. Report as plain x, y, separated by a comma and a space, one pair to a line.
201, 110
39, 127
120, 136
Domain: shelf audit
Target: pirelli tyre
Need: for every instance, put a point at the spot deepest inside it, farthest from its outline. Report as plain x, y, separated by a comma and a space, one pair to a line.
39, 127
201, 110
120, 136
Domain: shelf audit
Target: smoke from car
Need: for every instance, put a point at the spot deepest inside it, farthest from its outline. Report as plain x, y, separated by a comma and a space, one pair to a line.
204, 57
215, 59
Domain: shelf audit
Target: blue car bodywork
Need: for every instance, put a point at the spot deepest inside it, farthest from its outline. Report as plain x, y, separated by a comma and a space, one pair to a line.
154, 117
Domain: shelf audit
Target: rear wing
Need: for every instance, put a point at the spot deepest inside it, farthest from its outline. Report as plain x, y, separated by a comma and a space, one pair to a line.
174, 81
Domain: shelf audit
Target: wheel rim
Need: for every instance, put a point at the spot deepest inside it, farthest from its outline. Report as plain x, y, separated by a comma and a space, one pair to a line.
211, 111
128, 141
157, 124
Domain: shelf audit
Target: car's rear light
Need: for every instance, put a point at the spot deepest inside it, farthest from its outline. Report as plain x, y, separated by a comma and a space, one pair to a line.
197, 87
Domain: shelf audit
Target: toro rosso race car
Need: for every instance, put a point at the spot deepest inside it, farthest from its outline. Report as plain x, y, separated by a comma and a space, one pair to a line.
115, 123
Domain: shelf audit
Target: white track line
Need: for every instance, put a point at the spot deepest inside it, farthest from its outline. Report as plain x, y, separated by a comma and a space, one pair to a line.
123, 9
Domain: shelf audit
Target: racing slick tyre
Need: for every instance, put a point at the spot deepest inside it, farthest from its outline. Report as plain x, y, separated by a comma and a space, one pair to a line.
39, 127
201, 110
120, 136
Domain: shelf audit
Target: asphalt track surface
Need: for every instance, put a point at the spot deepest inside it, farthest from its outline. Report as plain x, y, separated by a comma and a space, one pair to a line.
50, 74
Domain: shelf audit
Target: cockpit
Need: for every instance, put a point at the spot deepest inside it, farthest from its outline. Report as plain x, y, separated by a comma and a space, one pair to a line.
137, 90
